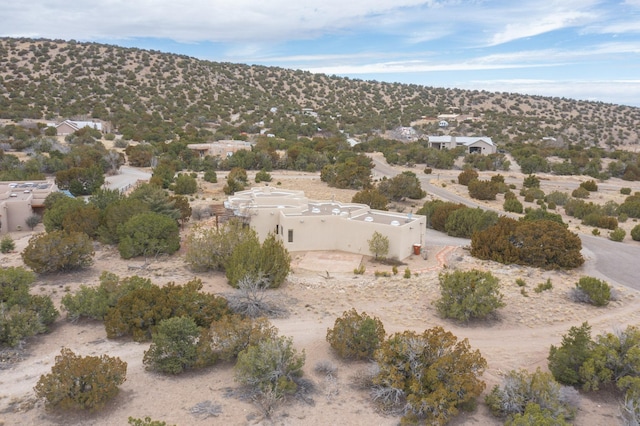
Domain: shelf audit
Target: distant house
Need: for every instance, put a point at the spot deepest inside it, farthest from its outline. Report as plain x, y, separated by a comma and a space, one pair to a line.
477, 144
443, 123
68, 127
222, 148
19, 200
304, 225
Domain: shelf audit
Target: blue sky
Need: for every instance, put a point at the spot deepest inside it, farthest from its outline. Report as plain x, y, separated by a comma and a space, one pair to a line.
581, 49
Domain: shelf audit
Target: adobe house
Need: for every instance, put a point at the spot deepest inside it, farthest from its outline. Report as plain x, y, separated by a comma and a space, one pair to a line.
478, 144
222, 148
305, 225
19, 200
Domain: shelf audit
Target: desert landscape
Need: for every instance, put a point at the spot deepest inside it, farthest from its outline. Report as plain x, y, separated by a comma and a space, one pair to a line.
320, 288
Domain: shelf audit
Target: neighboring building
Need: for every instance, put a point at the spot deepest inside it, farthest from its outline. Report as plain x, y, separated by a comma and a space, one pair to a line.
449, 117
19, 200
478, 144
306, 225
68, 127
223, 148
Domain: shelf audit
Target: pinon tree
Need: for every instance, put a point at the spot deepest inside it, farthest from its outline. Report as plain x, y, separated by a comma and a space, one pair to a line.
148, 234
404, 185
22, 314
469, 295
268, 262
371, 197
429, 375
541, 243
77, 382
356, 336
58, 251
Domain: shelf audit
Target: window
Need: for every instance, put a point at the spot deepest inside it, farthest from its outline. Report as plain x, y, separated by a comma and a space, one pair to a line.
290, 235
277, 229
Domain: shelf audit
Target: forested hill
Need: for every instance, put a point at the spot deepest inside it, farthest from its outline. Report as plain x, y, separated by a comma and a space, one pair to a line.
154, 96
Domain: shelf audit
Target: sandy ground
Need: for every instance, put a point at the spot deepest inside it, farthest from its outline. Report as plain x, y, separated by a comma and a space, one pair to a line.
519, 338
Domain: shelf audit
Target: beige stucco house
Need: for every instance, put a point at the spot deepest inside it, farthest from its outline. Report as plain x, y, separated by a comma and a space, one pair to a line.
222, 148
68, 127
19, 200
304, 225
478, 144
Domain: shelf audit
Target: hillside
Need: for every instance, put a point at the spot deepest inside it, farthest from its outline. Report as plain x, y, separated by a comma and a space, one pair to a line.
154, 96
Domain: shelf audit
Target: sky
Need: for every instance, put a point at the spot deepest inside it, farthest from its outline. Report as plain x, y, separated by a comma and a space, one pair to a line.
579, 49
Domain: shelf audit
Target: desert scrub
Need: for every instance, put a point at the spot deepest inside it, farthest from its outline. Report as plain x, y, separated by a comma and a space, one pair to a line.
356, 336
467, 295
592, 290
547, 285
77, 382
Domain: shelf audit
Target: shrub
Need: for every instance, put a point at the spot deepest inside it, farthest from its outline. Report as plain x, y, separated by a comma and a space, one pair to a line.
210, 176
540, 243
185, 184
466, 176
403, 185
464, 222
580, 193
428, 376
467, 295
613, 359
22, 315
625, 191
232, 334
178, 345
7, 244
268, 263
482, 189
566, 360
557, 197
94, 302
441, 212
407, 273
147, 421
547, 285
600, 221
58, 251
592, 290
521, 388
210, 248
512, 205
356, 336
542, 214
148, 234
635, 233
589, 185
531, 194
371, 197
263, 176
81, 382
271, 366
535, 415
531, 181
139, 312
617, 235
